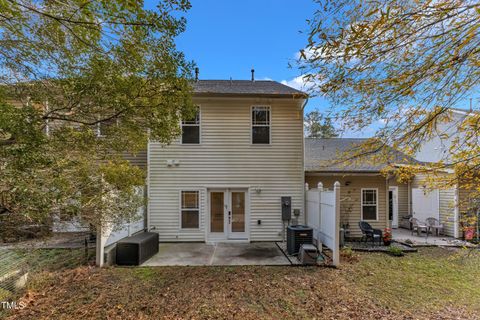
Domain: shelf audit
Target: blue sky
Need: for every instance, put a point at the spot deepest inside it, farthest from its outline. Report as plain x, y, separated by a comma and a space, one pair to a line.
226, 38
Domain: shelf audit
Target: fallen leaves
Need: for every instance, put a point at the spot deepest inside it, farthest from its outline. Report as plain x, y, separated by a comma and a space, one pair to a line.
215, 293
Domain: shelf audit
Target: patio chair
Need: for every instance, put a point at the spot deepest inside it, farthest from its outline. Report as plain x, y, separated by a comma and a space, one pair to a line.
369, 233
418, 226
434, 224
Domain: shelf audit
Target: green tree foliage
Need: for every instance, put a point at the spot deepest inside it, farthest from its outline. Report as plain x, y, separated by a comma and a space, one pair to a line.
82, 83
401, 65
319, 126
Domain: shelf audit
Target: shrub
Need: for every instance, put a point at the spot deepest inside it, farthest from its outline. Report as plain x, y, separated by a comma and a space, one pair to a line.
395, 251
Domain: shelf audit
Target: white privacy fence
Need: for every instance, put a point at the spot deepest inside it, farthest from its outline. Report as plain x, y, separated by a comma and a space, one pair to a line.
323, 215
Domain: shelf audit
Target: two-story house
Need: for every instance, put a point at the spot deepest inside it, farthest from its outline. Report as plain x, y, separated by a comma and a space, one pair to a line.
450, 203
225, 176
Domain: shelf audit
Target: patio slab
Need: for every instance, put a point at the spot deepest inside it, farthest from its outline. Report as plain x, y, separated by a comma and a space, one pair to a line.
220, 254
406, 237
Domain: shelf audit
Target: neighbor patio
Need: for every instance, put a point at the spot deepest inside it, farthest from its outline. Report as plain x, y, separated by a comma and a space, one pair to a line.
406, 237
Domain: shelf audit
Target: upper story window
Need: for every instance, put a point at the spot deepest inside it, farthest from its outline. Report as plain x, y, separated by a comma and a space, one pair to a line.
369, 204
191, 129
260, 124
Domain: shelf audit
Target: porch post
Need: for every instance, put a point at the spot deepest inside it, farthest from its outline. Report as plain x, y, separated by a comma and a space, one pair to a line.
305, 203
320, 191
336, 247
100, 247
387, 203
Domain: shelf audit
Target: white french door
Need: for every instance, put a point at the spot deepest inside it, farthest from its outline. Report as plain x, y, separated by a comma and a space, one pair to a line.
228, 214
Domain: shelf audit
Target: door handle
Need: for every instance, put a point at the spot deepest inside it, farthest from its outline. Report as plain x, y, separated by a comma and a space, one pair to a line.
229, 216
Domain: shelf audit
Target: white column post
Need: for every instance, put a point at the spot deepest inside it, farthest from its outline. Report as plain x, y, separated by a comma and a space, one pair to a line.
336, 247
305, 203
100, 247
456, 213
320, 190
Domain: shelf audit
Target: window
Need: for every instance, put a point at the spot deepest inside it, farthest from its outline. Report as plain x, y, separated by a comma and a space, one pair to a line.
104, 127
369, 204
191, 129
190, 209
260, 124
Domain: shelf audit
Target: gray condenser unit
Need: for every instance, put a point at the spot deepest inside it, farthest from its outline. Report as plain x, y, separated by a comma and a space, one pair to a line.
296, 236
135, 250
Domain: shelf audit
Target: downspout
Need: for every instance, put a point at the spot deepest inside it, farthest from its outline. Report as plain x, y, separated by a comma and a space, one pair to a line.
146, 221
303, 166
387, 202
409, 194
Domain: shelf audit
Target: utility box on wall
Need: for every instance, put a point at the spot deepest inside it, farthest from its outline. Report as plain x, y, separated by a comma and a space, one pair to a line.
286, 208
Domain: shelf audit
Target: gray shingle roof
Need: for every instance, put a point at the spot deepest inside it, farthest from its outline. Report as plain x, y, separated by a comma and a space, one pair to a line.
245, 88
326, 155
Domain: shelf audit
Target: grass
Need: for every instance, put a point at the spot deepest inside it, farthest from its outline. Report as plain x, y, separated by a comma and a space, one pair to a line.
432, 279
433, 283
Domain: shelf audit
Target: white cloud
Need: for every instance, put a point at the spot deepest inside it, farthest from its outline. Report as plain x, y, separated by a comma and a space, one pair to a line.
302, 83
308, 53
297, 82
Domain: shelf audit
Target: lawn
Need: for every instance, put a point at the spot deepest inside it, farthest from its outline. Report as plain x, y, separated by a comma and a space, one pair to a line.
434, 283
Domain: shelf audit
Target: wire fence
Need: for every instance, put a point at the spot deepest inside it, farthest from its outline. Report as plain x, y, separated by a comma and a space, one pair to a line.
21, 263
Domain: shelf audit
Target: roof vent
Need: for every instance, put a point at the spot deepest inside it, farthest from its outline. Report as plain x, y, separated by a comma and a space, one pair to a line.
196, 73
253, 74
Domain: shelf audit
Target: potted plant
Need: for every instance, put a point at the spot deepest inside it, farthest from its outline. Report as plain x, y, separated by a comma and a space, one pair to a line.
387, 236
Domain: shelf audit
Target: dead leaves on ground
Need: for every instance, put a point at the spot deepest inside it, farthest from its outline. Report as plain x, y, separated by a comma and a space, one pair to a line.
206, 293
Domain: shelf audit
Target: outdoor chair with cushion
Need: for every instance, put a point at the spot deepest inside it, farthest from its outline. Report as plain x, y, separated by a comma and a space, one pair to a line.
369, 233
434, 224
418, 226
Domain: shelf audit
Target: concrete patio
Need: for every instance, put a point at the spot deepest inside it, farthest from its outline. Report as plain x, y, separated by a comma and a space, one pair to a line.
405, 236
220, 254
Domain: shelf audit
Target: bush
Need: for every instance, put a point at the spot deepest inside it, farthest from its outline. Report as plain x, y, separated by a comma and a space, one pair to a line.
347, 254
395, 251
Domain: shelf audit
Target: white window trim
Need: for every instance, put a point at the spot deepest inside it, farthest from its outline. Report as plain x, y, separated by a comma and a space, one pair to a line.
191, 125
361, 203
47, 122
269, 125
99, 130
181, 209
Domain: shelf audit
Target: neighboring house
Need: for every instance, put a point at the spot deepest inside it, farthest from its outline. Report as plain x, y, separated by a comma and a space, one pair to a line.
223, 179
365, 193
437, 148
446, 204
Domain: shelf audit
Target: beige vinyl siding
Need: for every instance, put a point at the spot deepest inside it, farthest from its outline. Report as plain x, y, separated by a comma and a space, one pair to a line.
350, 197
418, 181
446, 198
447, 211
226, 158
139, 159
466, 199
